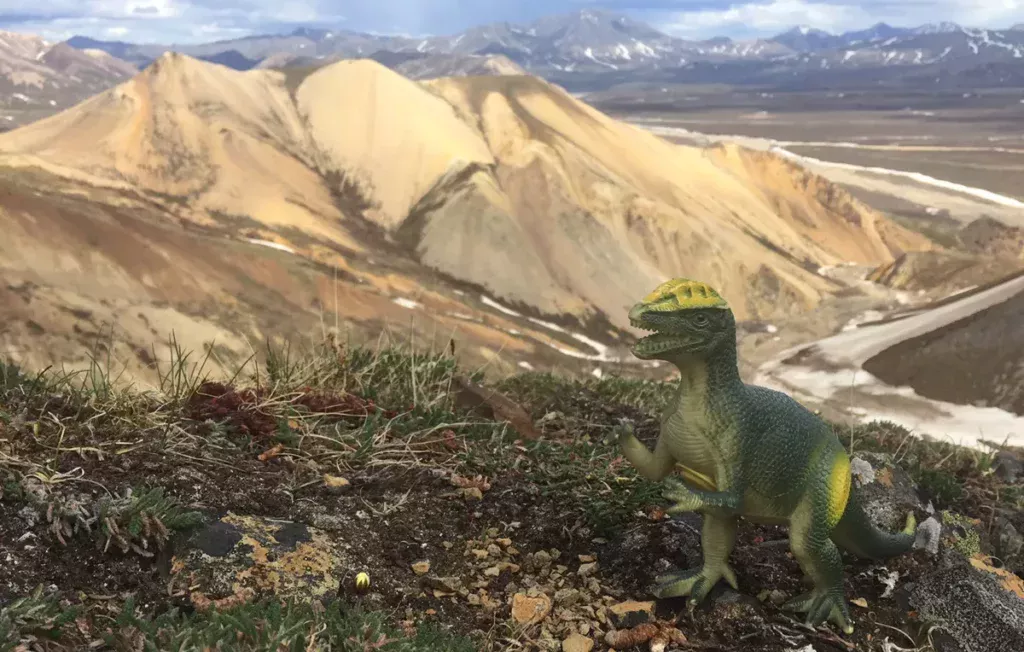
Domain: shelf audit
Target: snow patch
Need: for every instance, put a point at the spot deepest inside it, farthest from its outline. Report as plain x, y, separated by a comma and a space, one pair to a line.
980, 193
407, 303
272, 245
487, 301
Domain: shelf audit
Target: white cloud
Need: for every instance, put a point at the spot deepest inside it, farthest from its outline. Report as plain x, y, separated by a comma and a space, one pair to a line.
189, 21
166, 21
764, 18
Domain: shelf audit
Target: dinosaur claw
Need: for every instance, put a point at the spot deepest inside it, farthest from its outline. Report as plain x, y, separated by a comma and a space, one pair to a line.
821, 606
696, 583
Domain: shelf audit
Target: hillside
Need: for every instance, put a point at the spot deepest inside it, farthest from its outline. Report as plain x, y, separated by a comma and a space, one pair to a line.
505, 185
982, 252
38, 77
977, 359
182, 519
953, 366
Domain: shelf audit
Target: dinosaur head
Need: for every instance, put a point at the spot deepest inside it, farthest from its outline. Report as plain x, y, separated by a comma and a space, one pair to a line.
688, 319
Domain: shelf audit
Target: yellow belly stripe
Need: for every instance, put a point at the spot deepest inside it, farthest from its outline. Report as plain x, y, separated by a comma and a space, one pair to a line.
838, 487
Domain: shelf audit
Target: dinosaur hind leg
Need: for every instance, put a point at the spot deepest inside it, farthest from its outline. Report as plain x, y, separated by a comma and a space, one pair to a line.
819, 559
718, 536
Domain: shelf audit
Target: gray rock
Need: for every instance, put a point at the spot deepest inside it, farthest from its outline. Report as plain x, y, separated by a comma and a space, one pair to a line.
1009, 544
890, 494
929, 533
976, 613
862, 471
1008, 467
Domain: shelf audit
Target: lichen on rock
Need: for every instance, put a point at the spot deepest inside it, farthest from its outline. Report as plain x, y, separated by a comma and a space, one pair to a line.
241, 557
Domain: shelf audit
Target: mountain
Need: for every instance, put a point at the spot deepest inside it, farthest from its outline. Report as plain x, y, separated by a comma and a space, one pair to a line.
590, 50
38, 77
240, 205
937, 28
587, 39
808, 39
877, 32
413, 65
454, 65
985, 251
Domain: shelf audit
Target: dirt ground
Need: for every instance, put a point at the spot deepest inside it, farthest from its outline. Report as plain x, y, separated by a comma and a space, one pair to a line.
458, 520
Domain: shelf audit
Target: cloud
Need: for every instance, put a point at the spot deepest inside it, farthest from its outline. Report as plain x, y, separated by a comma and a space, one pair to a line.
766, 18
189, 21
167, 21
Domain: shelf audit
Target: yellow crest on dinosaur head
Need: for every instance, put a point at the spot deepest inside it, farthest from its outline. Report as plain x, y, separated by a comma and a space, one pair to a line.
687, 294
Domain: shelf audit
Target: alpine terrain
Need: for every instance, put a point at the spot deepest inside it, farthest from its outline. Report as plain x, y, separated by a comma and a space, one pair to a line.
228, 206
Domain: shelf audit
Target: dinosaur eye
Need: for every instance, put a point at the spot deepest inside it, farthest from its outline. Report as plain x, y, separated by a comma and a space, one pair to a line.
700, 320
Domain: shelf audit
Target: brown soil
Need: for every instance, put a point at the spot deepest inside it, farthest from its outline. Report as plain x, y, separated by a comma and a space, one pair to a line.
428, 520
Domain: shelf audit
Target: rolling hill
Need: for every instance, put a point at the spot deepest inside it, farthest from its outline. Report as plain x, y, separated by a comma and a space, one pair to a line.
497, 205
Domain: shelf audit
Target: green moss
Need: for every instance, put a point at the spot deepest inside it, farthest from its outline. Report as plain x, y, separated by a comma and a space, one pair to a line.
966, 540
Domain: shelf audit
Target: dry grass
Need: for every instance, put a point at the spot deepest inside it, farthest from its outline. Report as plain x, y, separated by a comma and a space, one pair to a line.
99, 463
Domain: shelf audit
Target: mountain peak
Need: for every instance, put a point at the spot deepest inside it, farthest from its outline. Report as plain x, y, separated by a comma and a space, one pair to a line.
805, 37
944, 27
807, 30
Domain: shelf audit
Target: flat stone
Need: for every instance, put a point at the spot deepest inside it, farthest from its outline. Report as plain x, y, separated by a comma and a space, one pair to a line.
629, 614
240, 557
530, 609
577, 643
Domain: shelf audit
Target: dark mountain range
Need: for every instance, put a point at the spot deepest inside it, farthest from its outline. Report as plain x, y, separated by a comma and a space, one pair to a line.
591, 49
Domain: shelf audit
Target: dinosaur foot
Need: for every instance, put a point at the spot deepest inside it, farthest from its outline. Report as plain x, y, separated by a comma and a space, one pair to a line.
695, 582
821, 606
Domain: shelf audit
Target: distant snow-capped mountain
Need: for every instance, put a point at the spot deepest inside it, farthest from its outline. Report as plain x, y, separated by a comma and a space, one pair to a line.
595, 41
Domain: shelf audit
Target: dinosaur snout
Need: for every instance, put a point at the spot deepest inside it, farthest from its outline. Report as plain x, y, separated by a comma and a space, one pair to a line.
635, 312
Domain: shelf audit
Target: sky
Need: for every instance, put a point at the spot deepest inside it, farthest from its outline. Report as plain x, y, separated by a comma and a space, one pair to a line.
192, 21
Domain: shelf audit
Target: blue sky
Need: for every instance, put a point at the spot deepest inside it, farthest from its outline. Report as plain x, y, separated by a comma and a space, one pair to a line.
183, 21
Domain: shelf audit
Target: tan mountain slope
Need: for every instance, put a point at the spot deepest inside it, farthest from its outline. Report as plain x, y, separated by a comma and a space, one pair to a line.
507, 184
981, 252
38, 77
92, 271
570, 174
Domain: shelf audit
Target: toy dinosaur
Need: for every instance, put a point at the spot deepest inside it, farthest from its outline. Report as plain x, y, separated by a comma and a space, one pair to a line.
748, 451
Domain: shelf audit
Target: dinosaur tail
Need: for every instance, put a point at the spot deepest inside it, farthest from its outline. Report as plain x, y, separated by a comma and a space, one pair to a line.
857, 534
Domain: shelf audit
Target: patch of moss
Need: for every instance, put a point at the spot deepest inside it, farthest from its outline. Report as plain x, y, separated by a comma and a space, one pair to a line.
965, 538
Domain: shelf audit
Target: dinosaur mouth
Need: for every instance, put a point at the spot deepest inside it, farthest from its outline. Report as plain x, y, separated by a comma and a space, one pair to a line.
658, 341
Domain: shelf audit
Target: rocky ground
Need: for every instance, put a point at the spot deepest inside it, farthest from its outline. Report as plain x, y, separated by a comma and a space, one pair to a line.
365, 500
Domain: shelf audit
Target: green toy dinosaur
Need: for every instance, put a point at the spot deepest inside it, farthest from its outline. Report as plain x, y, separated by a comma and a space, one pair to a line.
748, 451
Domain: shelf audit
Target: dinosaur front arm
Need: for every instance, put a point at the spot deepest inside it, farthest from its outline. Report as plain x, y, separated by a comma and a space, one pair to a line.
689, 499
653, 466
